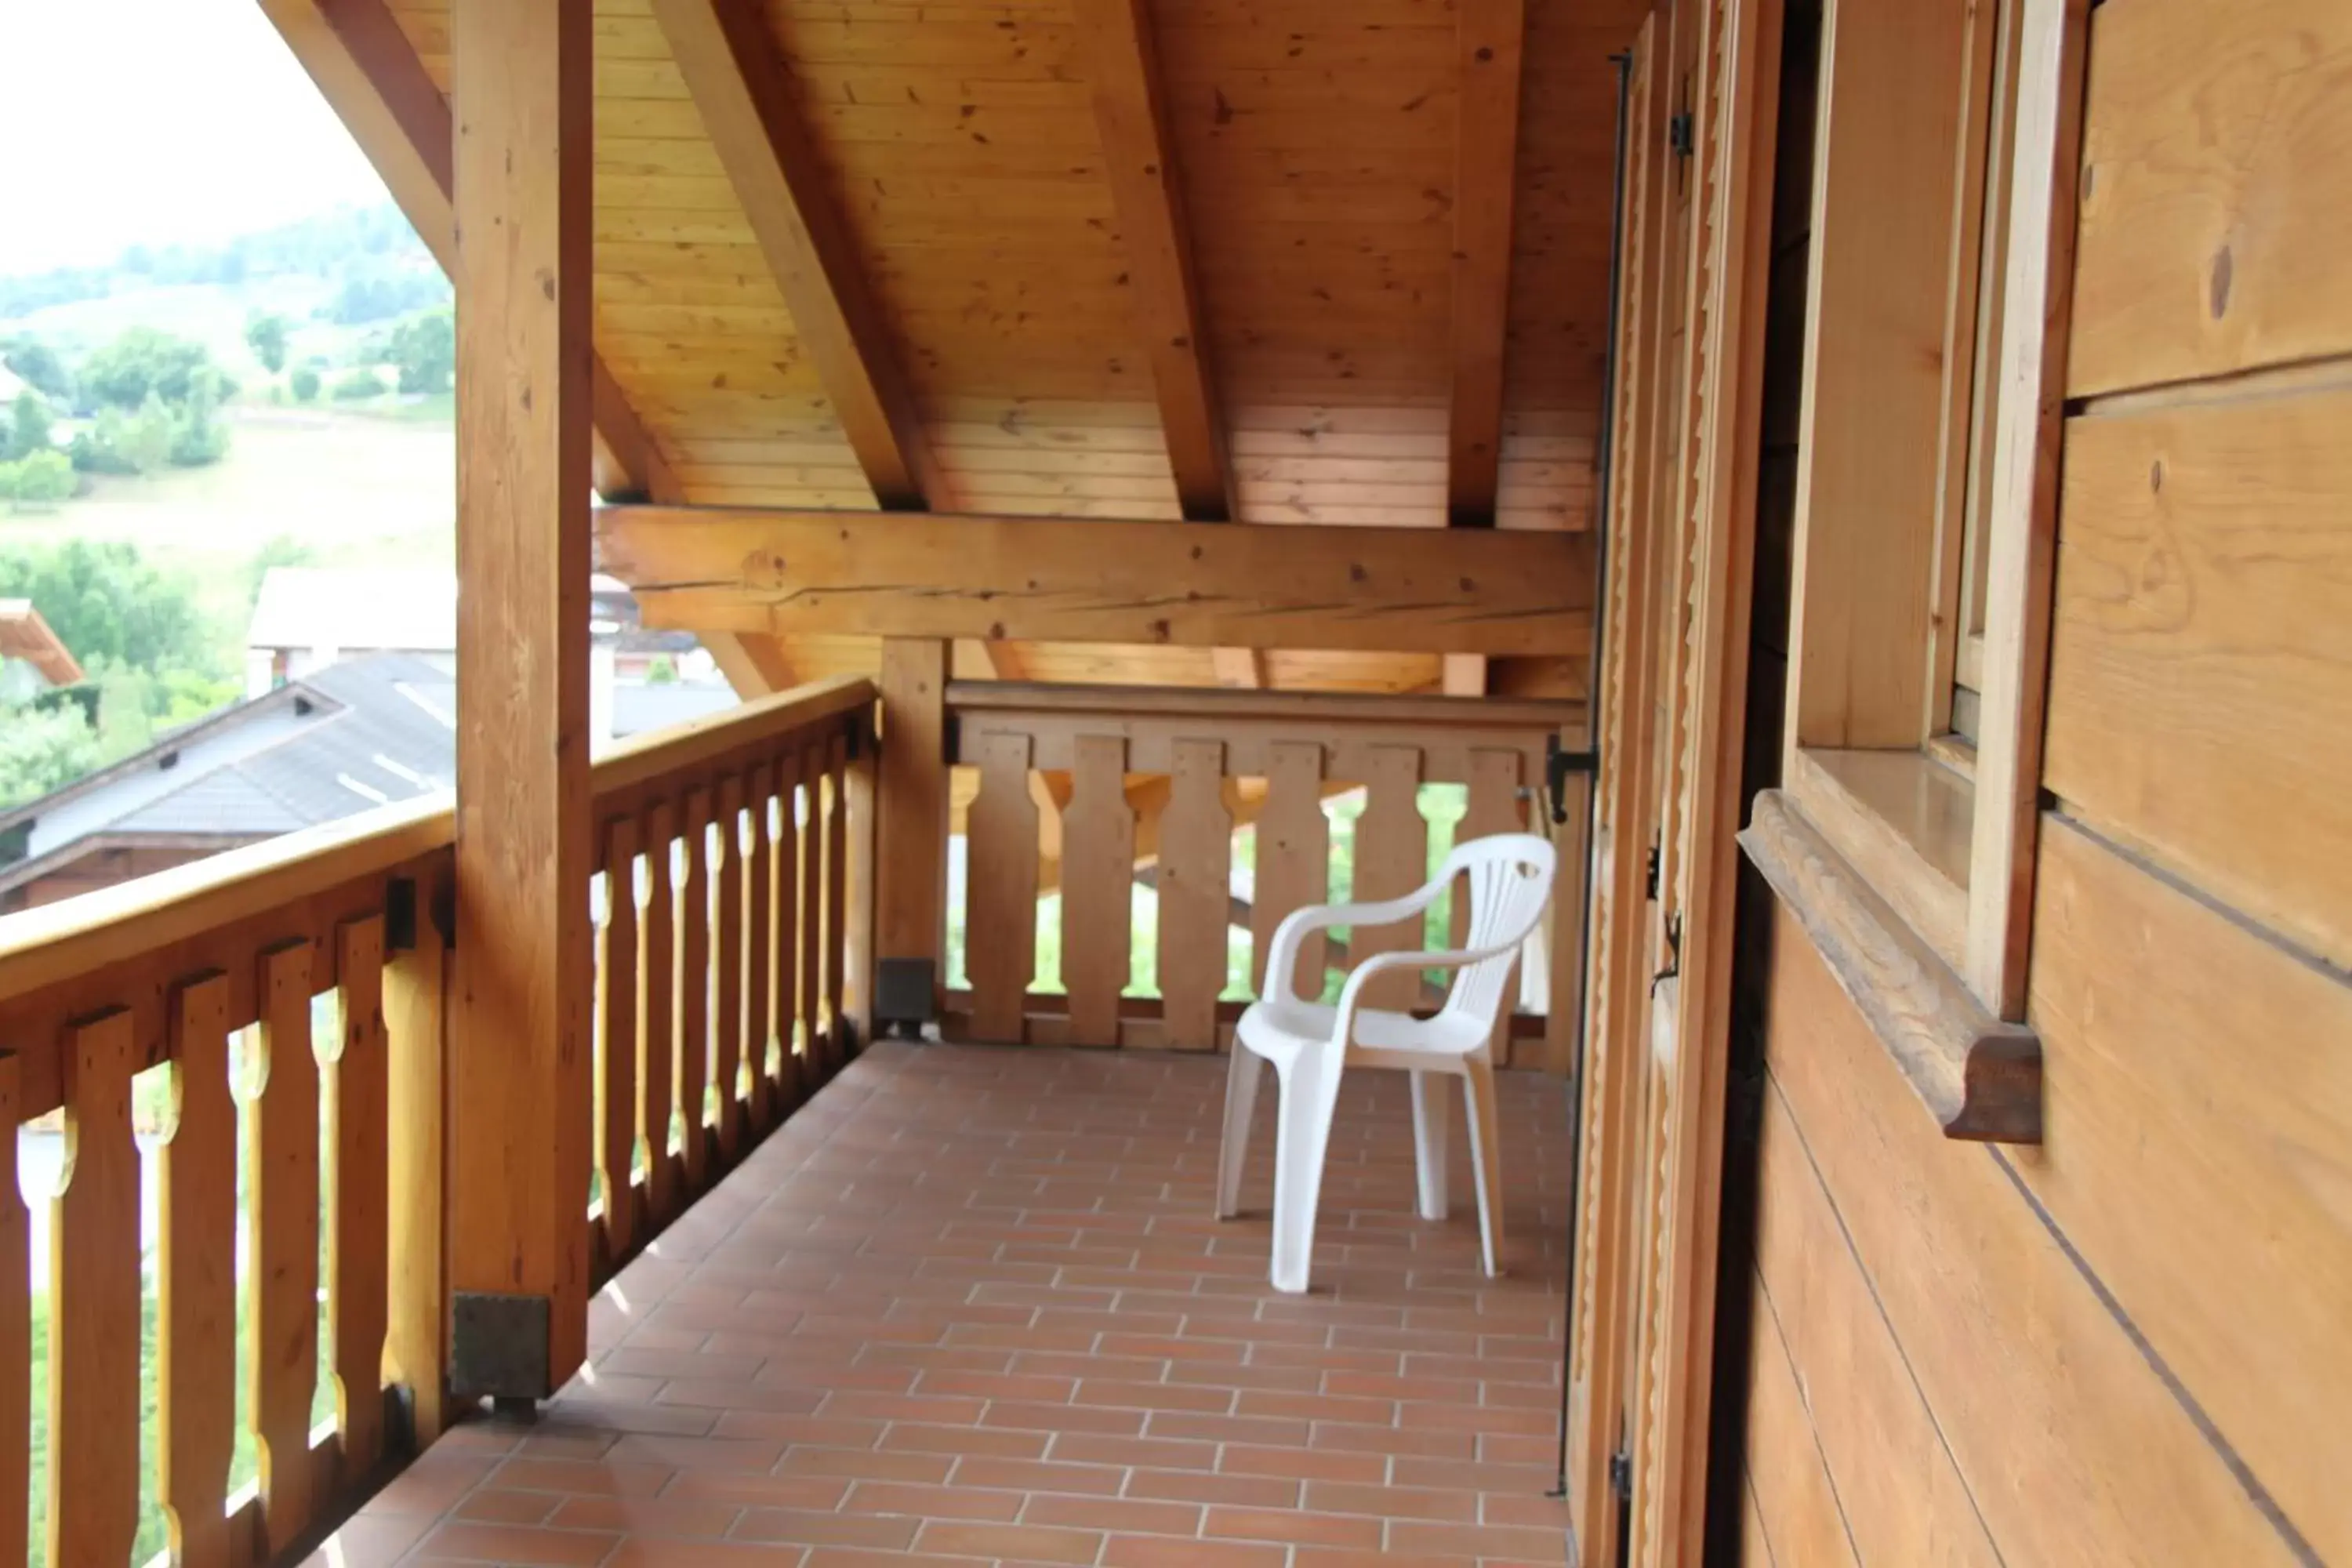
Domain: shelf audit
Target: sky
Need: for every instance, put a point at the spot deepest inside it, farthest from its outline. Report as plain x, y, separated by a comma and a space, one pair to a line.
154, 122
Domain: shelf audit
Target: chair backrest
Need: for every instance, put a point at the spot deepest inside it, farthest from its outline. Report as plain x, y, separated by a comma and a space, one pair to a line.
1510, 876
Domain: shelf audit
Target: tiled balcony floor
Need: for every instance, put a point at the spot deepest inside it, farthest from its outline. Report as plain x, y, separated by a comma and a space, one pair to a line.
969, 1306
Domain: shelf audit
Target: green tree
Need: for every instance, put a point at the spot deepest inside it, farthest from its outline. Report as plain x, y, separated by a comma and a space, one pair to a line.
148, 440
266, 335
41, 752
359, 386
143, 362
107, 603
37, 483
304, 383
424, 348
40, 368
28, 426
198, 438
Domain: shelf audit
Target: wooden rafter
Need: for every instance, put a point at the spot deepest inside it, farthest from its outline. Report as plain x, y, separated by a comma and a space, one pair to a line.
1491, 40
1399, 590
736, 77
367, 71
1130, 109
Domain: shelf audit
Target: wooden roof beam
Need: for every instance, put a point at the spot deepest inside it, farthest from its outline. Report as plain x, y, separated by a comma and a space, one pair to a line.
736, 74
1038, 579
1130, 108
367, 71
1491, 37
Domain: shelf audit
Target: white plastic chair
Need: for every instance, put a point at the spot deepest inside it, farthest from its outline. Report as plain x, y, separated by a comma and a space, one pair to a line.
1509, 876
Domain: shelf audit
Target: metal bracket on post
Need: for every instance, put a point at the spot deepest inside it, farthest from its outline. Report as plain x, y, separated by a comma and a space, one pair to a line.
498, 1346
903, 992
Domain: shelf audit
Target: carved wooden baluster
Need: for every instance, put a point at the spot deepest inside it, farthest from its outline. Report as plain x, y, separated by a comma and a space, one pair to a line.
196, 1270
1097, 889
1196, 848
813, 1039
694, 991
796, 1076
616, 1085
357, 1260
836, 892
417, 1165
759, 945
1391, 859
1000, 901
726, 938
94, 1327
1493, 807
657, 1040
281, 1226
16, 1332
1294, 860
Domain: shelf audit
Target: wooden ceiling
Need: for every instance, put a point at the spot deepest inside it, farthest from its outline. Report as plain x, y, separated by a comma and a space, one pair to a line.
1104, 259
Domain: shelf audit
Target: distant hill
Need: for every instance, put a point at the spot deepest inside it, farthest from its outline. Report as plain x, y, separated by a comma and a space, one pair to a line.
357, 246
341, 281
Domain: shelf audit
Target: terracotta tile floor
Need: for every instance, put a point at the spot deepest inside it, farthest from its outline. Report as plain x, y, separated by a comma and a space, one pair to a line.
968, 1306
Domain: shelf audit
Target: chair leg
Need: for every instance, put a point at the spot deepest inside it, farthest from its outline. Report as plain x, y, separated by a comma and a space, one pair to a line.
1487, 1154
1310, 1093
1241, 1105
1431, 1095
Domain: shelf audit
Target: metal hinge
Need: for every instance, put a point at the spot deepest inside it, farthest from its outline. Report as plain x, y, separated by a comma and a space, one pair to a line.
1558, 764
1679, 134
1620, 1473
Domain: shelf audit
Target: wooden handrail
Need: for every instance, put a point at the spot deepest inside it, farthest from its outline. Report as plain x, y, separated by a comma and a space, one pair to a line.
45, 946
734, 857
1227, 704
716, 735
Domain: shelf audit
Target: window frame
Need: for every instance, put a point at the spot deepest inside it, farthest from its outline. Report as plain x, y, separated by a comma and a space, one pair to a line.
1927, 461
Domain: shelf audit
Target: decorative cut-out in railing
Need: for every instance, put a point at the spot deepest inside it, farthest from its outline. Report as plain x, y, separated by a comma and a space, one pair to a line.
339, 1126
1116, 789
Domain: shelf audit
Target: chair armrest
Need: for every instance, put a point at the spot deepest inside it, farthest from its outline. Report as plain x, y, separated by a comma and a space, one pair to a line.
1351, 995
1282, 958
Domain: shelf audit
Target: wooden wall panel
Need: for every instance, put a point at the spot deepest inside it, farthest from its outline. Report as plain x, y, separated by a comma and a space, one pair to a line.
1899, 1490
2073, 1443
2217, 192
1797, 1504
2198, 1143
2200, 686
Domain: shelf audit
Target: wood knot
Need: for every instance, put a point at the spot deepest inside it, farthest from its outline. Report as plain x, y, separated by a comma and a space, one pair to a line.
2218, 295
2156, 476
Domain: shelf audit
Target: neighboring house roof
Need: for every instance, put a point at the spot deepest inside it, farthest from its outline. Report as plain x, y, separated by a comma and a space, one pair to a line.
637, 709
413, 610
342, 740
24, 635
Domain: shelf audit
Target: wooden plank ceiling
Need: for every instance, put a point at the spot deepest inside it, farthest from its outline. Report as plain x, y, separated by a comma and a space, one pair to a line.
1108, 258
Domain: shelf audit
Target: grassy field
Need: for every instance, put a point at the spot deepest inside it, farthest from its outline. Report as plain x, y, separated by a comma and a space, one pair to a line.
351, 489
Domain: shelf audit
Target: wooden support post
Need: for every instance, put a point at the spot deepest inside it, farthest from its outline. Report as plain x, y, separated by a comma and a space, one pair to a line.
416, 1164
859, 783
520, 80
910, 895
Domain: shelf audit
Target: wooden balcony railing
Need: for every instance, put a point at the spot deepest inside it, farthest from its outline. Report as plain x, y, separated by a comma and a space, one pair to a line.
1092, 791
287, 1002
